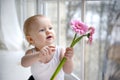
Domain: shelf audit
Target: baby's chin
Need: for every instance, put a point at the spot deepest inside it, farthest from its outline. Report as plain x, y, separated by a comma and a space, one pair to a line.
50, 44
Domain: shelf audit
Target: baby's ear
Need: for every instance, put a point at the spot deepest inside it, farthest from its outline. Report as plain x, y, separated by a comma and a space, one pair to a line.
29, 39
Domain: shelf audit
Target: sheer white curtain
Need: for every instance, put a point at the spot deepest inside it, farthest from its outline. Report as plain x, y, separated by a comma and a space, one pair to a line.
11, 37
11, 40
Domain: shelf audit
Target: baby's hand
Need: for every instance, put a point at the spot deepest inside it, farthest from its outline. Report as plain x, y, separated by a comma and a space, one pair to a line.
47, 50
51, 49
69, 53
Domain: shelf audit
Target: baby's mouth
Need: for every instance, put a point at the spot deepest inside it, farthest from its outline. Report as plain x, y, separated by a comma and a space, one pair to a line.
49, 37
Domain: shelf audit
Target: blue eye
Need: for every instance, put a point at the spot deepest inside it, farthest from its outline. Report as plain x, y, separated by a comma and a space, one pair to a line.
50, 28
41, 30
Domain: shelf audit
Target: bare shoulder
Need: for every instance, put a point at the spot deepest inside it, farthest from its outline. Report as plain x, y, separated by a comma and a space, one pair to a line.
30, 51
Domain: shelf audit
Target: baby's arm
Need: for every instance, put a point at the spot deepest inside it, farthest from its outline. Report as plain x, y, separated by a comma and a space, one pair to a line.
68, 66
29, 58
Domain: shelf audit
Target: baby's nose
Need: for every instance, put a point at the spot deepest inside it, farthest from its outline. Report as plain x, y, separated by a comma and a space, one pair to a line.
48, 31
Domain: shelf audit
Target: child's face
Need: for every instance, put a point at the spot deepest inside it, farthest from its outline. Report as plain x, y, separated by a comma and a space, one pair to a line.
42, 33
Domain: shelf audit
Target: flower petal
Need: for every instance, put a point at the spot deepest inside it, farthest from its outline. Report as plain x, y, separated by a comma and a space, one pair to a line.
79, 27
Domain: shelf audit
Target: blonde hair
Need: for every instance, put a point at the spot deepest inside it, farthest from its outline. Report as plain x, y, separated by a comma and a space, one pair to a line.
29, 22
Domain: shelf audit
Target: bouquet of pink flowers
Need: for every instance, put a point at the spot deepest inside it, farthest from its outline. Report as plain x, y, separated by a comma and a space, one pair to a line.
84, 31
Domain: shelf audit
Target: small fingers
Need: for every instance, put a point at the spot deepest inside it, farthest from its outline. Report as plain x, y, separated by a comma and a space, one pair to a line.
69, 53
44, 51
51, 49
69, 48
47, 50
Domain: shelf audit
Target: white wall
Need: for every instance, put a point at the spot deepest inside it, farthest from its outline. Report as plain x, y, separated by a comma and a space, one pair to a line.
10, 68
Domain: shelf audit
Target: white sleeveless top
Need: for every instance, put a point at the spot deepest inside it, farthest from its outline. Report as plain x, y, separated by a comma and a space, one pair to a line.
41, 71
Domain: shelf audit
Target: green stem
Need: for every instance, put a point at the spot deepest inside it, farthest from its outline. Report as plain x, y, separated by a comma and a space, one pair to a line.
77, 40
74, 41
58, 68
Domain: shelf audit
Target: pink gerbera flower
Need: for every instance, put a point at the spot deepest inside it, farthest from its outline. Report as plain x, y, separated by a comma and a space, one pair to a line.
79, 27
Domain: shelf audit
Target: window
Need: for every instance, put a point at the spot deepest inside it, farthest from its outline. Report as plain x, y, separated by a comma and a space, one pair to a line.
103, 15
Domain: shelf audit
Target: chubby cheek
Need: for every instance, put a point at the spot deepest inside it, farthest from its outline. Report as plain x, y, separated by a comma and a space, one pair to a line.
54, 36
39, 40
